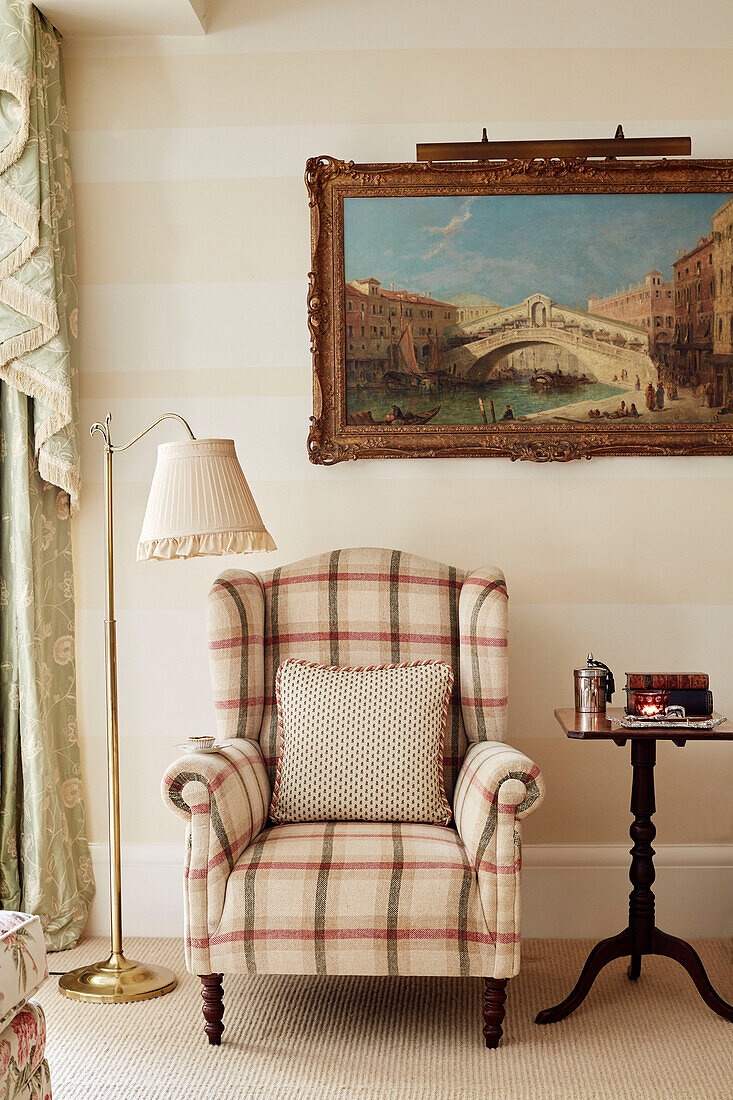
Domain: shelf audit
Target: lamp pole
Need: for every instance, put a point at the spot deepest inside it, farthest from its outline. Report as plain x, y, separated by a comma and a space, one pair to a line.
116, 979
113, 754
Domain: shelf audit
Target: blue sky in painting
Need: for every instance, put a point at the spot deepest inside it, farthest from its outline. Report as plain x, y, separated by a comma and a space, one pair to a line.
505, 247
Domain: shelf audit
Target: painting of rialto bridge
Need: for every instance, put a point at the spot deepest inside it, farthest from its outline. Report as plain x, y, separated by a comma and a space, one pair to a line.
470, 360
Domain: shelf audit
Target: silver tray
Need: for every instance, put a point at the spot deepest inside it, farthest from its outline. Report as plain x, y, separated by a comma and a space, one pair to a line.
634, 722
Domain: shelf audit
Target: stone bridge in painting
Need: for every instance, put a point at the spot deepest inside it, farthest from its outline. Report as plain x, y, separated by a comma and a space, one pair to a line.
602, 345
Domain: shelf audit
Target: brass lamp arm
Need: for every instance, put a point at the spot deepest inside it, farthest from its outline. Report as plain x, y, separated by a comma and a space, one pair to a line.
104, 430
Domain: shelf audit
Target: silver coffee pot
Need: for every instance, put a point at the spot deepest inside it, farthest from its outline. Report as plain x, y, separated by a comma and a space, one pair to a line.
594, 687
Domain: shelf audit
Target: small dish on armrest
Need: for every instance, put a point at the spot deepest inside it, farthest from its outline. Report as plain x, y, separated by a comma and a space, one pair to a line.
188, 746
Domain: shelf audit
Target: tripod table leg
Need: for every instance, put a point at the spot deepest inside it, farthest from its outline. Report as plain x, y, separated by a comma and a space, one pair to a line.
682, 952
616, 947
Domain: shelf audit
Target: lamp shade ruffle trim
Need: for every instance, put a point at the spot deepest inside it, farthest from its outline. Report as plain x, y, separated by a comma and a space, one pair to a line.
215, 543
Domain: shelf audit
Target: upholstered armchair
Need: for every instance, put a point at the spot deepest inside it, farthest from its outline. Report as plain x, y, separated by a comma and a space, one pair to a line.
355, 897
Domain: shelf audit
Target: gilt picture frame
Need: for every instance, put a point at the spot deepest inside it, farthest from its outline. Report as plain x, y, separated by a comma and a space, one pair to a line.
545, 310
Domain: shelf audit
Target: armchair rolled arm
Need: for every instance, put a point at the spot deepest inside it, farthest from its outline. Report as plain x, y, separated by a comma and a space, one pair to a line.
494, 779
497, 787
224, 798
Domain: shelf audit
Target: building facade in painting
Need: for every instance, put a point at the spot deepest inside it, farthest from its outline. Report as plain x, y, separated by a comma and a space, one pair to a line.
694, 297
381, 321
367, 345
648, 304
721, 360
428, 316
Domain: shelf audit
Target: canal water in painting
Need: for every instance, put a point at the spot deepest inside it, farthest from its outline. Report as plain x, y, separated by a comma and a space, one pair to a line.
462, 407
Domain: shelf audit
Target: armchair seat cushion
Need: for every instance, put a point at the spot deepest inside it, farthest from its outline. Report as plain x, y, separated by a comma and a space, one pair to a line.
353, 898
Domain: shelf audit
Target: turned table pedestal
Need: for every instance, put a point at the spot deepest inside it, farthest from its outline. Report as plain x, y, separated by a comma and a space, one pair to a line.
641, 936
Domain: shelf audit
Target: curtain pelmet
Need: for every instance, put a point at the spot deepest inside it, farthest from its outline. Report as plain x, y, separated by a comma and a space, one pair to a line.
38, 304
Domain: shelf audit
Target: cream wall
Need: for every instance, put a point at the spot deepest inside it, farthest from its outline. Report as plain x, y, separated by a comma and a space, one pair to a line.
193, 241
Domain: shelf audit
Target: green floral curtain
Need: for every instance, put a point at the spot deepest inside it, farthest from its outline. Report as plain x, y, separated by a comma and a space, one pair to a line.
45, 867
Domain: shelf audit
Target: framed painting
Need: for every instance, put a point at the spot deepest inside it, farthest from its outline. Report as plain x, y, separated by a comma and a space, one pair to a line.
544, 310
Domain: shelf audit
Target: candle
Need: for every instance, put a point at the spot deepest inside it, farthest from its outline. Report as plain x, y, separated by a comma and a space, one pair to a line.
647, 704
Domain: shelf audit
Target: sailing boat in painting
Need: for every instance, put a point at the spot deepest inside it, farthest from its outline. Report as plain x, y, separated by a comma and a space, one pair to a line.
405, 377
403, 356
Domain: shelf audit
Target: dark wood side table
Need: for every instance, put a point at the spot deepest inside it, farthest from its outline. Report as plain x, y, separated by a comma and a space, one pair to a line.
641, 937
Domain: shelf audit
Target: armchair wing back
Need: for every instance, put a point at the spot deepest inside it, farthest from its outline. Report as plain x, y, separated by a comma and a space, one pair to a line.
359, 607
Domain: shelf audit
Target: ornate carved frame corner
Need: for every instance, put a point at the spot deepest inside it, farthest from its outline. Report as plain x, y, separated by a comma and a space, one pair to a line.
329, 181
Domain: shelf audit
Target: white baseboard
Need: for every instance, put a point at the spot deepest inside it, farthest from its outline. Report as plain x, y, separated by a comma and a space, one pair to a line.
569, 891
572, 891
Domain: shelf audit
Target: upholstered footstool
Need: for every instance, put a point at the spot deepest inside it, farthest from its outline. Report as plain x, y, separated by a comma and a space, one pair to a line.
23, 1068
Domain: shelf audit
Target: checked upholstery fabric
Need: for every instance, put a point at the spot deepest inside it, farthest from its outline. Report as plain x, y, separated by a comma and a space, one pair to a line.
355, 897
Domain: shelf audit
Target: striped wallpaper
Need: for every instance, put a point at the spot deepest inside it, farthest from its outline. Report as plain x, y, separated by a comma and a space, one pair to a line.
193, 242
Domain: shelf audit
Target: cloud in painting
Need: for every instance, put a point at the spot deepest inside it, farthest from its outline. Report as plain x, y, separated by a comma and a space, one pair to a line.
447, 232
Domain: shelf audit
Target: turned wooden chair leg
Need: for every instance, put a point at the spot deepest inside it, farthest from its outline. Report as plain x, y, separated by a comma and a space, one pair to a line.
494, 998
213, 995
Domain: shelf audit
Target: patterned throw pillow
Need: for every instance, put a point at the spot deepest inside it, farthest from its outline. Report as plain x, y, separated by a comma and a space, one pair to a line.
361, 744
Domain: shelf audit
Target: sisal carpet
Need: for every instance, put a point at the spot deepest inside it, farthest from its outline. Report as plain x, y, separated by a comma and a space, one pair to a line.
397, 1039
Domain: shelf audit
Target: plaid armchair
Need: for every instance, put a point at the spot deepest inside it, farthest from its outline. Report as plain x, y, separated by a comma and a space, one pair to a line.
355, 897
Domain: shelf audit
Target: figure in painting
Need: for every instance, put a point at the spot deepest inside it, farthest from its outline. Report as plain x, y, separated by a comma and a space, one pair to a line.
637, 384
508, 414
618, 414
651, 401
660, 395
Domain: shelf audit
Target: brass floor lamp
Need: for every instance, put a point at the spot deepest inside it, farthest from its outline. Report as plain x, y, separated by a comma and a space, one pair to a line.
199, 503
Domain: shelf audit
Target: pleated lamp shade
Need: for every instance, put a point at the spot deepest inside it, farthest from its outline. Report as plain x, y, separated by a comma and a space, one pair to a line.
200, 503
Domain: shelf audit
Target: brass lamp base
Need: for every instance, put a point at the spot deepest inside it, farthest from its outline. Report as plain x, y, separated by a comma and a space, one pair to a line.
117, 980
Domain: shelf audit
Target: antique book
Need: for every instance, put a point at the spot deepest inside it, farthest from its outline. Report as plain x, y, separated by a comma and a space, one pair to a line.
667, 681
